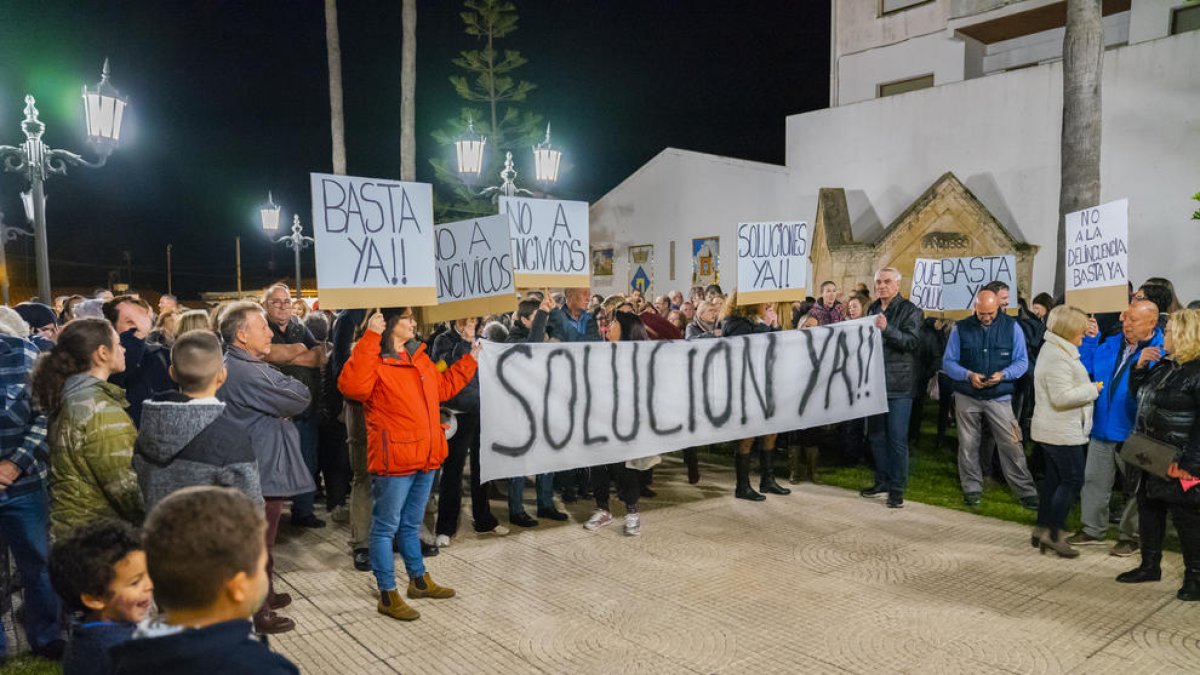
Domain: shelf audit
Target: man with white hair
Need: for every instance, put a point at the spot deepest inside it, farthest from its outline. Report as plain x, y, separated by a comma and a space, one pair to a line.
900, 321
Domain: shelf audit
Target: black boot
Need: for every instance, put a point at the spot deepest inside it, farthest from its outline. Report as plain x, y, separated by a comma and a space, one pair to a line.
767, 483
1149, 570
744, 491
1190, 591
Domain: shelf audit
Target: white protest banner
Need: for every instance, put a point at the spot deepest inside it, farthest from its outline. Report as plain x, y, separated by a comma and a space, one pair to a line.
963, 277
474, 270
1097, 257
557, 406
772, 261
550, 241
374, 242
927, 284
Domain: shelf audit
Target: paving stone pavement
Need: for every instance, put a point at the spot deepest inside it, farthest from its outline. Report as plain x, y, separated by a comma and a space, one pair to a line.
820, 581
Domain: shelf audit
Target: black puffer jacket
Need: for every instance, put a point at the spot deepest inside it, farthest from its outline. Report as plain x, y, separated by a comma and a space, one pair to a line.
450, 347
1168, 396
901, 347
733, 326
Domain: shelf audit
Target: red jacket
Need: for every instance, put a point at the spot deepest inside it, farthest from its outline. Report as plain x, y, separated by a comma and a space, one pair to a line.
401, 397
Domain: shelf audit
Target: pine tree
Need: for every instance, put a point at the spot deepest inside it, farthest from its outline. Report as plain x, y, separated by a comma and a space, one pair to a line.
490, 82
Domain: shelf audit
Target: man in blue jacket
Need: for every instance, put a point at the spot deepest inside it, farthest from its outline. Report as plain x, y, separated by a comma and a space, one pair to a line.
1110, 361
985, 356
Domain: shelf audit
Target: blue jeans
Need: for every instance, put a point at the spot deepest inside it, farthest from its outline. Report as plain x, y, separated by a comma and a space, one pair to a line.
516, 493
888, 434
302, 505
1061, 485
24, 526
398, 507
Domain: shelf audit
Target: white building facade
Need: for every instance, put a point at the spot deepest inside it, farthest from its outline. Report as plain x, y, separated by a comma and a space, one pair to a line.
919, 88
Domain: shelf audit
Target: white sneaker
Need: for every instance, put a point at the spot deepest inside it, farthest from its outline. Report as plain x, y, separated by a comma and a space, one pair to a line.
340, 514
598, 520
497, 531
633, 524
442, 541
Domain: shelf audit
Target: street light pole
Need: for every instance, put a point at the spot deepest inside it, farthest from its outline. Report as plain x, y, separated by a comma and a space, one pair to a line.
297, 241
104, 108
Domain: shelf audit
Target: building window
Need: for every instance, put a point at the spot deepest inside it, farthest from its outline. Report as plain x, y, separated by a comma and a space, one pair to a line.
892, 6
1185, 19
902, 86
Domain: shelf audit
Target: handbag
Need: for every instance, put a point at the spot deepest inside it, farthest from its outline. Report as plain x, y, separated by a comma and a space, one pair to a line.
1149, 454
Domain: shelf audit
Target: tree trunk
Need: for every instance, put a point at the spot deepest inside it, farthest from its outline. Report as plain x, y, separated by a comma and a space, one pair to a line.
408, 89
337, 124
1083, 56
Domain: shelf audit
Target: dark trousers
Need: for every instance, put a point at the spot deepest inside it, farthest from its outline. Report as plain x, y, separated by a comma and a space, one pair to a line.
889, 445
24, 527
334, 459
463, 445
1059, 489
629, 485
302, 505
1152, 521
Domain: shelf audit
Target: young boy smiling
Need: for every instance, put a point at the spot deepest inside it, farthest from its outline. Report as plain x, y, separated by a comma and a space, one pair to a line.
99, 570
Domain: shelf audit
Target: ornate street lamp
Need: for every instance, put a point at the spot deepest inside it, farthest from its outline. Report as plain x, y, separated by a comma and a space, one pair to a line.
104, 109
469, 149
296, 241
546, 160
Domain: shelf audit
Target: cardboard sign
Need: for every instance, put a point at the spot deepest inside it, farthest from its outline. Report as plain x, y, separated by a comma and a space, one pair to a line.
374, 242
556, 406
474, 270
772, 261
963, 277
926, 290
550, 240
1097, 257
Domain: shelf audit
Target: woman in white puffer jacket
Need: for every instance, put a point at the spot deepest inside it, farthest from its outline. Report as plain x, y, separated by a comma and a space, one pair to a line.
1062, 421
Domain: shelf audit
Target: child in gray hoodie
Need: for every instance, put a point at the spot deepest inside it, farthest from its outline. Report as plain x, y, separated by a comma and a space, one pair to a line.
187, 438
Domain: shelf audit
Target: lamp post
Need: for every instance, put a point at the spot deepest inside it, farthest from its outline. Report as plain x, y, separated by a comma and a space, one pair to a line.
297, 241
469, 151
103, 109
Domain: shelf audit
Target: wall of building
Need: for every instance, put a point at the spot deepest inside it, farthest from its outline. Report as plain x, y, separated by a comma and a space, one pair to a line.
680, 195
1000, 135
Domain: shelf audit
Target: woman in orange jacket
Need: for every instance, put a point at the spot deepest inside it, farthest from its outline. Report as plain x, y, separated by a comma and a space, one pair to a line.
401, 391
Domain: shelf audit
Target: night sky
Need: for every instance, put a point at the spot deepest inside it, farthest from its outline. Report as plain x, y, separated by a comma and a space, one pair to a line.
230, 99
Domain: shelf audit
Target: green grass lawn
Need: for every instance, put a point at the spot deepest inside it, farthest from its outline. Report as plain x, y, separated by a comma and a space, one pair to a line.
24, 664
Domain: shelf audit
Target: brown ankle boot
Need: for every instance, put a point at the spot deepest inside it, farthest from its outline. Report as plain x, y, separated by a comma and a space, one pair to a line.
391, 604
431, 590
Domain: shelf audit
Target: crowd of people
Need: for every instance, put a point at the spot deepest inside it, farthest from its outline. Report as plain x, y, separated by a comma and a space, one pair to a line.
158, 450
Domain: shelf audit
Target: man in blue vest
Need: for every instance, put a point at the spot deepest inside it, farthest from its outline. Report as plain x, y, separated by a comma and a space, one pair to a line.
985, 355
1109, 360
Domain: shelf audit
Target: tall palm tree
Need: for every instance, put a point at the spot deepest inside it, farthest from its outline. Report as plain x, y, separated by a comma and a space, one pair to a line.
337, 124
1083, 57
408, 87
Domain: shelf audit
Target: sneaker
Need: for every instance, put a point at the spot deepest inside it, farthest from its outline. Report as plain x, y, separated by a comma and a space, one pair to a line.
309, 521
552, 513
1030, 503
1085, 539
633, 524
523, 519
598, 520
497, 531
648, 493
362, 559
972, 499
1124, 549
873, 491
340, 514
442, 541
895, 500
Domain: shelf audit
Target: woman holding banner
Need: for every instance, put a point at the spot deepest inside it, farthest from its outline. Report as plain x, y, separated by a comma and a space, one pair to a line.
401, 391
738, 319
624, 327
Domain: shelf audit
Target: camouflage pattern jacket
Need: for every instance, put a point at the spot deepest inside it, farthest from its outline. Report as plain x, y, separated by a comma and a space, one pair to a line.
91, 456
